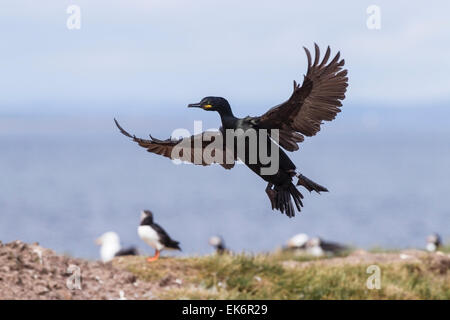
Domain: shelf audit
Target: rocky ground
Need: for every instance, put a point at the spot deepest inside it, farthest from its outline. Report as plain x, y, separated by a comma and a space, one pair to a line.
28, 271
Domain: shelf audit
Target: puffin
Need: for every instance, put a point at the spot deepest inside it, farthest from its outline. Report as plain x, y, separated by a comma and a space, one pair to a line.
433, 242
277, 131
218, 243
110, 247
155, 236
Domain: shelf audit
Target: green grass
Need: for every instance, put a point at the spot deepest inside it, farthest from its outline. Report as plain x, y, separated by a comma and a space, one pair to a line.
445, 249
287, 276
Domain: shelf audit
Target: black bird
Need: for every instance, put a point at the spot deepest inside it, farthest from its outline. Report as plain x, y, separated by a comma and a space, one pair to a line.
318, 99
155, 236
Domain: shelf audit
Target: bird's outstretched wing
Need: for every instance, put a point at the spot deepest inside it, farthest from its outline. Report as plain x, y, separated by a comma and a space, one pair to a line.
317, 99
198, 149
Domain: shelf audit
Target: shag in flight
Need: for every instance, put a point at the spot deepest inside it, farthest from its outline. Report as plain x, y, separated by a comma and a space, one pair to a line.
318, 99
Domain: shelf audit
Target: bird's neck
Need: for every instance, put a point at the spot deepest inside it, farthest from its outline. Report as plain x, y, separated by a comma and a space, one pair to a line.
226, 114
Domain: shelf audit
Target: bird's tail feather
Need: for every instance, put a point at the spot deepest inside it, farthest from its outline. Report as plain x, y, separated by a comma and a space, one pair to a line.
283, 201
174, 245
309, 184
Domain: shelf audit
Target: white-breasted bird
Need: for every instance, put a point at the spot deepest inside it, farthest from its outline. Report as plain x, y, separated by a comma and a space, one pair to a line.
155, 236
433, 242
318, 247
219, 244
109, 243
298, 241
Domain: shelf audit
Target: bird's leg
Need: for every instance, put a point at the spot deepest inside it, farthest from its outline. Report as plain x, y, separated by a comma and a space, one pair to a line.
155, 257
272, 194
293, 173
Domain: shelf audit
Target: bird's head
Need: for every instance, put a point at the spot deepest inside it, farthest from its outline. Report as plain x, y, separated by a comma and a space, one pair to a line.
216, 241
146, 215
212, 104
108, 238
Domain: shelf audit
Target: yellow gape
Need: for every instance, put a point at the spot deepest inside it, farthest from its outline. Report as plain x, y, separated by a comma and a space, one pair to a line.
207, 106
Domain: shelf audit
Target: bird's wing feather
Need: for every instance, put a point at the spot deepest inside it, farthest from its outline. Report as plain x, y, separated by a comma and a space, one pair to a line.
317, 99
191, 149
164, 236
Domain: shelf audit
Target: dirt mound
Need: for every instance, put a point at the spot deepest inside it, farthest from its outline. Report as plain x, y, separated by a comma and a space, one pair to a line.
28, 271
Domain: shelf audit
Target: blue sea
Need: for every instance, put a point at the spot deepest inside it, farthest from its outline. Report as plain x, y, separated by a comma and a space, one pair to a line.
67, 178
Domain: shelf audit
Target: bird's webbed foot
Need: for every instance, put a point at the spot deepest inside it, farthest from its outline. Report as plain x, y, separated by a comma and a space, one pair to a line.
272, 194
155, 257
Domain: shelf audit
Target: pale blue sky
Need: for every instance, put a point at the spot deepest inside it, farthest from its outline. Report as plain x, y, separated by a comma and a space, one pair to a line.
155, 54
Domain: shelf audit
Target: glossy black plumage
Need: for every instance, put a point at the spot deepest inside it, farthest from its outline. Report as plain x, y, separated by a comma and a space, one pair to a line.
317, 99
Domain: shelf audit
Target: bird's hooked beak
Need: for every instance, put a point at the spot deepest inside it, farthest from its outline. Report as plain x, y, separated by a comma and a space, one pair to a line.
195, 105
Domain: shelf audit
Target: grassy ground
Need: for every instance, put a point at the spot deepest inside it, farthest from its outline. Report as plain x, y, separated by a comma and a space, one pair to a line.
404, 275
